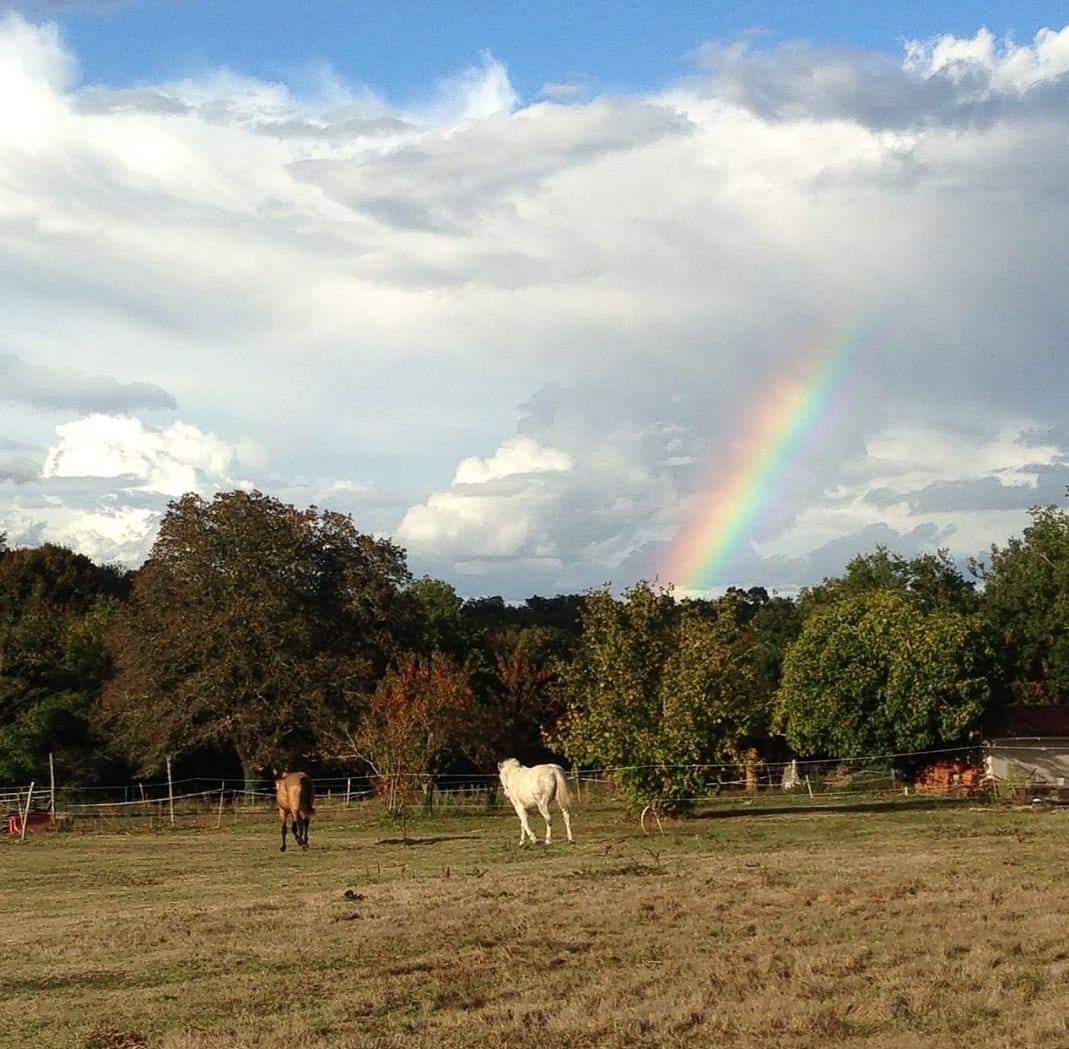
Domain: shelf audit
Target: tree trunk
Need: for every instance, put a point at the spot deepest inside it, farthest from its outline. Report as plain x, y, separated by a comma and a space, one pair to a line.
250, 773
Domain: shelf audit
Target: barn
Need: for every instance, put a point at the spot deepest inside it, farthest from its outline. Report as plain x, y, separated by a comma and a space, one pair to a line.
1029, 746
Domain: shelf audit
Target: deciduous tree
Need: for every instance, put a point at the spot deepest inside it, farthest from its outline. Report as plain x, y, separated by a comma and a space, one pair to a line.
875, 674
55, 609
1026, 600
253, 625
653, 693
422, 713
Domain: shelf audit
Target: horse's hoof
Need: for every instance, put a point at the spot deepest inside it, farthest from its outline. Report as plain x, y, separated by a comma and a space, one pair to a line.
283, 849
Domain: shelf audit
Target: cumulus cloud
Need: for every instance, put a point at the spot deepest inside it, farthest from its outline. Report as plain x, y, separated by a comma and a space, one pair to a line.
528, 337
1001, 66
170, 461
495, 508
105, 481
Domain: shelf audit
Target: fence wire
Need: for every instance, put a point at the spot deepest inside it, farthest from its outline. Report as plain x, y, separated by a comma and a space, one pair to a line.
795, 781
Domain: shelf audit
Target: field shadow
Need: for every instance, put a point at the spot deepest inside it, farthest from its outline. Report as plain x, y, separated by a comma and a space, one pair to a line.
867, 807
436, 840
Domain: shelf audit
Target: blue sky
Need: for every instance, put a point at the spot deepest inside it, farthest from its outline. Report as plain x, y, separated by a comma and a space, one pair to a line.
399, 48
359, 256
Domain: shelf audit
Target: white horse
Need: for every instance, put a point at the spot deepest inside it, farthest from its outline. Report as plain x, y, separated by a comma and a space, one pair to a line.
529, 788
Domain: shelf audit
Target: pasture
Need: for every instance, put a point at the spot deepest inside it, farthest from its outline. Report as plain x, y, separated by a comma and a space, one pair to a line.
910, 924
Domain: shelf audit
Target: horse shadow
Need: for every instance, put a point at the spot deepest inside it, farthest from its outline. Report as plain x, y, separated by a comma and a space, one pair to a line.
436, 840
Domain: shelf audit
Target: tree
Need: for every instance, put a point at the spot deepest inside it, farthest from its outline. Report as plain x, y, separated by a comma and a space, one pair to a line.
254, 626
775, 622
422, 713
55, 609
561, 612
652, 692
440, 623
1026, 601
930, 581
523, 673
876, 674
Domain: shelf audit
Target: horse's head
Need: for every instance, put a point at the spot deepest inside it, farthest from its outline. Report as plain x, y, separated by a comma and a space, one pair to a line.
506, 766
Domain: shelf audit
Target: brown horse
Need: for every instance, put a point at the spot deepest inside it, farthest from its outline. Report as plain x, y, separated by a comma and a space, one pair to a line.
295, 795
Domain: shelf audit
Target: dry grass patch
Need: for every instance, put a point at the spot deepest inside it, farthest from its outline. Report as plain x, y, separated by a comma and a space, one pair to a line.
893, 928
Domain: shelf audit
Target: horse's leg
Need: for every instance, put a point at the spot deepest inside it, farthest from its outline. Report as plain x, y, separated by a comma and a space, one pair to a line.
282, 814
304, 831
543, 808
525, 827
567, 823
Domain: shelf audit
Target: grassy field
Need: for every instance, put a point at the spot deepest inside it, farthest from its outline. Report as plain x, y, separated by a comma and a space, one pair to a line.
899, 926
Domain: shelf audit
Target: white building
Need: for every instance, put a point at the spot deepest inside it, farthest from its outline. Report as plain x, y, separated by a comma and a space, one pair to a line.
1029, 746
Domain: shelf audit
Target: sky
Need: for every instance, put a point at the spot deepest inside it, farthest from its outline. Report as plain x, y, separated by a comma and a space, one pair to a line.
520, 285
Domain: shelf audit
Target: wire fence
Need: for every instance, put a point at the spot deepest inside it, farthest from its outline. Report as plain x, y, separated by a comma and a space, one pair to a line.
795, 783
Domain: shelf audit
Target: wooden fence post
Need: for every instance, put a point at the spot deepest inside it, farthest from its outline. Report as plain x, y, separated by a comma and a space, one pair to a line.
51, 789
26, 814
222, 794
170, 791
751, 778
348, 790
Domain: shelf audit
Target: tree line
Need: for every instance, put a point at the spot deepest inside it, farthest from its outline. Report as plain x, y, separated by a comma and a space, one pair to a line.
259, 634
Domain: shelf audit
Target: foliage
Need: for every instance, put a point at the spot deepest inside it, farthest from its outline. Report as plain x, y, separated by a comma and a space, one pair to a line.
775, 622
55, 609
931, 581
1026, 599
253, 625
522, 699
422, 712
440, 624
875, 673
562, 612
652, 689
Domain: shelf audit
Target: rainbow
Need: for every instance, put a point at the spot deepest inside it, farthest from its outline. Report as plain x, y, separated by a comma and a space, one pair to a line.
743, 486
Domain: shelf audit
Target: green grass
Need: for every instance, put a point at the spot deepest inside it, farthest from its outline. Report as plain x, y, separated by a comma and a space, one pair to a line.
902, 926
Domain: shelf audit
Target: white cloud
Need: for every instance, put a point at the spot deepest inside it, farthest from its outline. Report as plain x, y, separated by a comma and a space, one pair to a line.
917, 456
105, 482
475, 93
501, 506
503, 514
123, 534
1003, 65
349, 298
519, 455
169, 461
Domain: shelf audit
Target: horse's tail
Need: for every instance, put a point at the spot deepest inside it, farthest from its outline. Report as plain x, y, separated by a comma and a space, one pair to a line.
306, 798
564, 795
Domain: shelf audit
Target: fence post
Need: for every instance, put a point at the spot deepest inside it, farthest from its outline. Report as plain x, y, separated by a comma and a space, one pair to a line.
26, 814
348, 790
170, 791
222, 794
751, 777
51, 789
